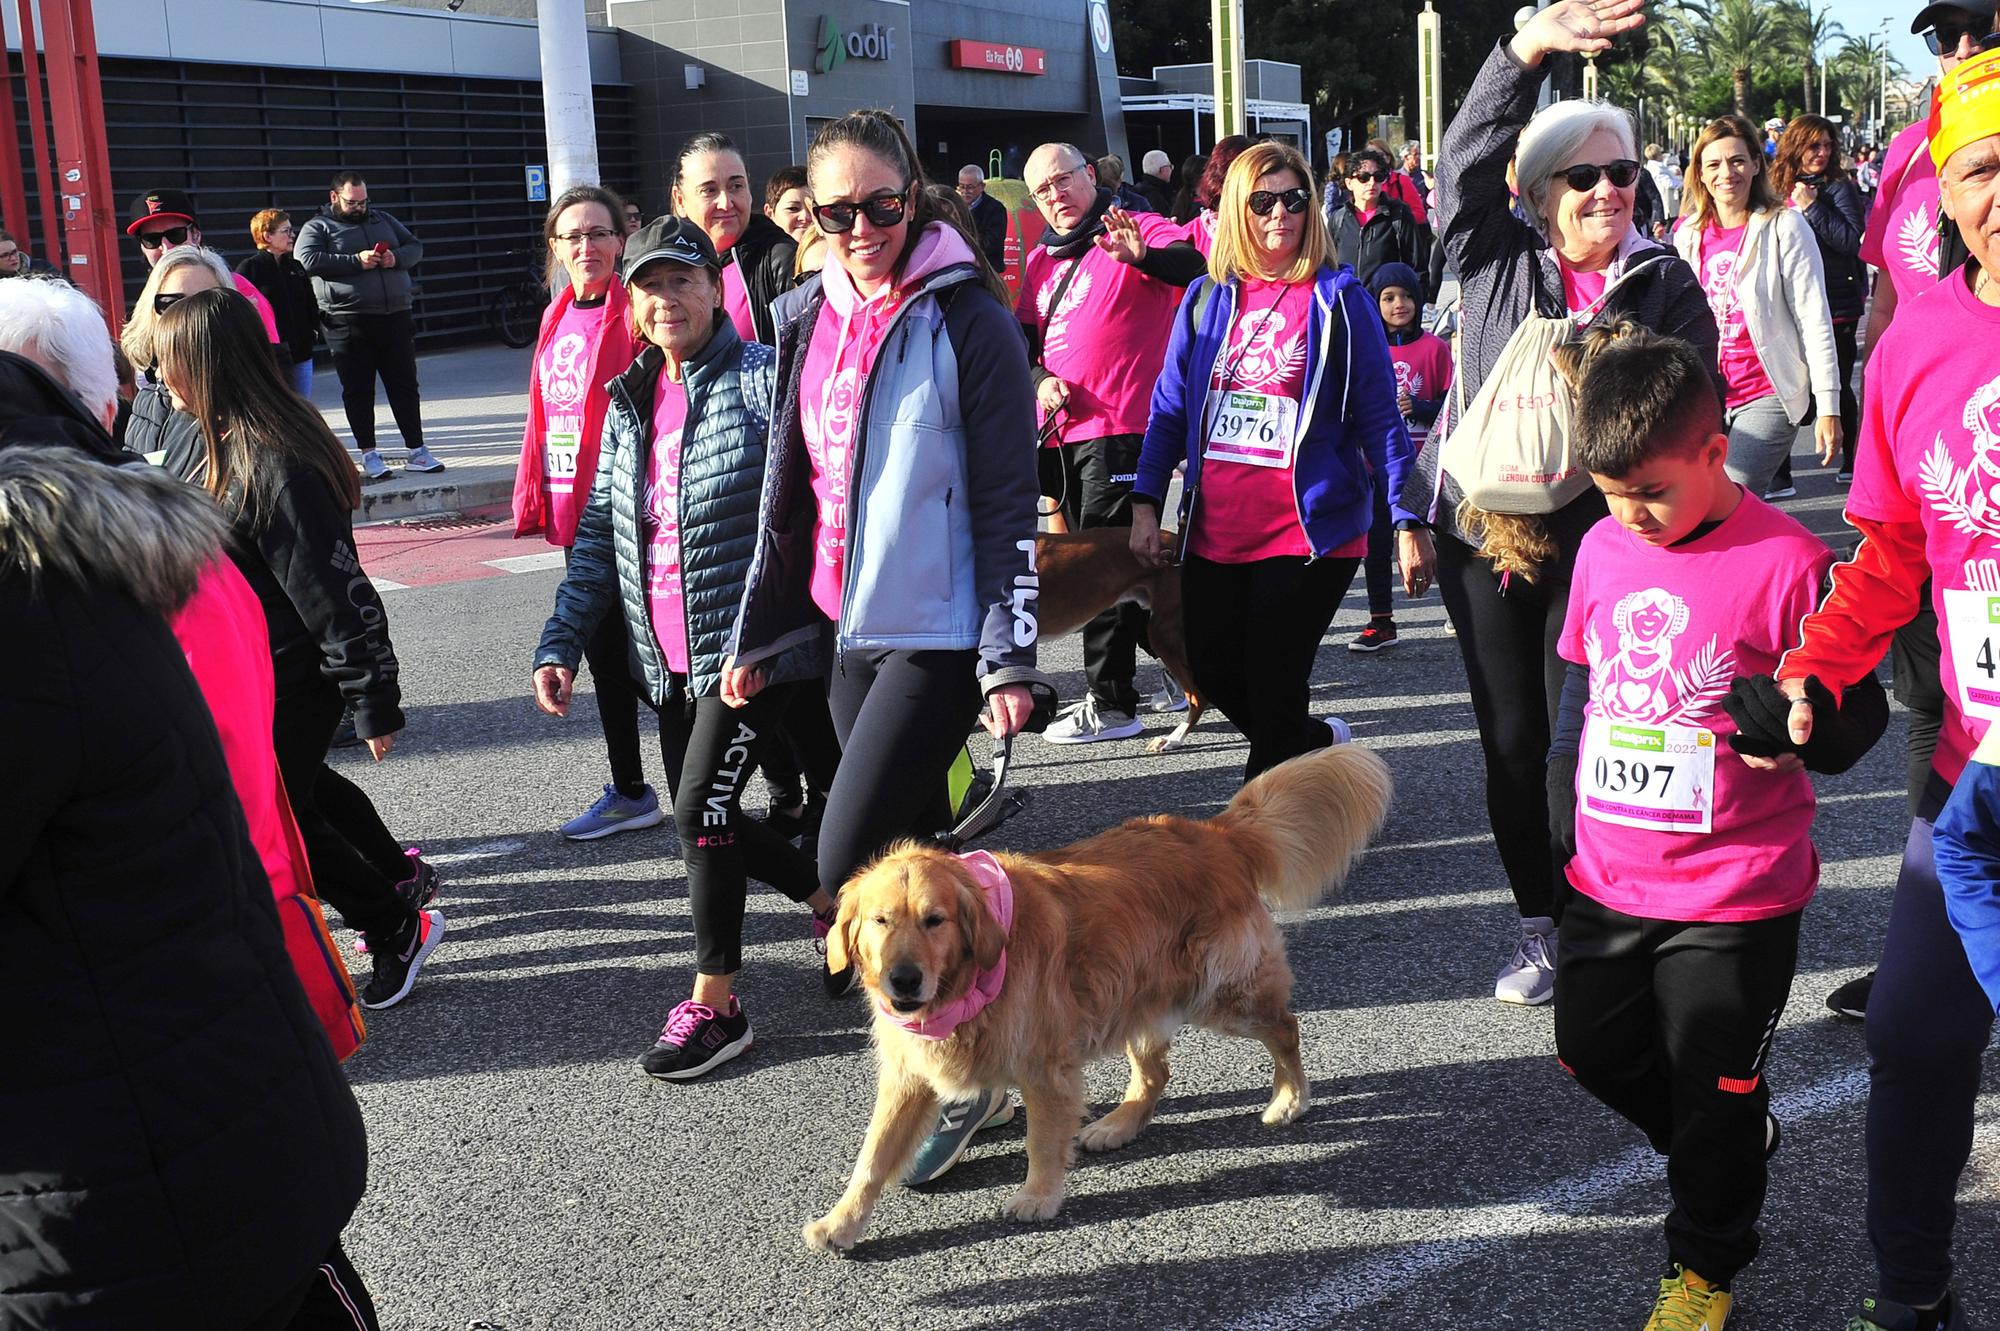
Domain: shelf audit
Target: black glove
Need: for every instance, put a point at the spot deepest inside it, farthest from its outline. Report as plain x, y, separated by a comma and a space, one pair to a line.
1562, 807
1842, 732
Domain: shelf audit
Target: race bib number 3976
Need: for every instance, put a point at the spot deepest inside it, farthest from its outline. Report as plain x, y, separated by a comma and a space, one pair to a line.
1260, 429
1972, 636
1660, 778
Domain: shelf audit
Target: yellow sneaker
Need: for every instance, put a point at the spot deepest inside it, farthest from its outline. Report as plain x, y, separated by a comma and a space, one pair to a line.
1689, 1303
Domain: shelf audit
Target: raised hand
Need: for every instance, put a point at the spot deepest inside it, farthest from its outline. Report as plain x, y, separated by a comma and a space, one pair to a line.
1120, 237
1585, 27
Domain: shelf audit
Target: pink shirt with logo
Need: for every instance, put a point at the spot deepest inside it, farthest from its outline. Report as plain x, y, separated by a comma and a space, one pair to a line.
660, 525
1663, 632
561, 375
1581, 290
736, 301
1423, 370
839, 357
1244, 511
1742, 368
1902, 234
1929, 452
1108, 339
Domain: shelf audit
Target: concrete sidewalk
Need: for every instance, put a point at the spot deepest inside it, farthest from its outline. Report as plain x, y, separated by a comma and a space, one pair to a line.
475, 403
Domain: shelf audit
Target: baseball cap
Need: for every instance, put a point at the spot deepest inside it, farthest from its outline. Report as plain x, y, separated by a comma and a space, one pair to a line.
672, 239
1967, 106
172, 204
1957, 10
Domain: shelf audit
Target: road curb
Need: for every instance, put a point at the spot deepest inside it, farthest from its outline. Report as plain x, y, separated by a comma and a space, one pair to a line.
440, 499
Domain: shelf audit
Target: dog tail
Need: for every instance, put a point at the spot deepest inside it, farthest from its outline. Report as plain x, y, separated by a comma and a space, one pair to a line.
1313, 817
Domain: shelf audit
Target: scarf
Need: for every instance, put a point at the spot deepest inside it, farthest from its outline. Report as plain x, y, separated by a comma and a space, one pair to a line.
1069, 244
985, 986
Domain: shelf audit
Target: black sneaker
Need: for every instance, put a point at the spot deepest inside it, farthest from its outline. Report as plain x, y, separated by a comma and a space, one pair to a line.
420, 889
1851, 999
697, 1038
400, 957
1380, 633
1885, 1315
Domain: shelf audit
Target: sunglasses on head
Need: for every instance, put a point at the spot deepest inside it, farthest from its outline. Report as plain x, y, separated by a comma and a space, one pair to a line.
882, 210
166, 300
1945, 38
1584, 176
1294, 199
173, 235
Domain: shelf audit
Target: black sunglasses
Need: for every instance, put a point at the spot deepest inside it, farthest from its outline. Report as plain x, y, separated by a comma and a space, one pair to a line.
1366, 175
883, 210
1944, 39
1294, 199
166, 300
173, 235
1583, 176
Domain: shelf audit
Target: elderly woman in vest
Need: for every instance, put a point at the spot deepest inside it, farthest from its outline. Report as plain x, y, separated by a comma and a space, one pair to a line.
1505, 580
666, 540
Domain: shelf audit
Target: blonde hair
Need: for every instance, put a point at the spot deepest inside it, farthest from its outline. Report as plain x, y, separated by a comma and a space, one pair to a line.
136, 338
1231, 253
264, 223
1697, 204
811, 256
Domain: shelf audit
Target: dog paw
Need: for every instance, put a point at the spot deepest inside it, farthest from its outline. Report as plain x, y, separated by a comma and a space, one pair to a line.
1107, 1133
831, 1233
1168, 743
1025, 1205
1285, 1107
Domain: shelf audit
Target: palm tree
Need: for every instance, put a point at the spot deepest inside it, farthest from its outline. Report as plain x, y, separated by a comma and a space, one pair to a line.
1740, 35
1815, 31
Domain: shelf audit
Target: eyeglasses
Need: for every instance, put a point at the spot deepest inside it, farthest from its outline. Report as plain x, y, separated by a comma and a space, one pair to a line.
1055, 184
883, 210
597, 235
1295, 200
1583, 176
173, 235
8, 256
281, 231
1366, 176
166, 300
1946, 38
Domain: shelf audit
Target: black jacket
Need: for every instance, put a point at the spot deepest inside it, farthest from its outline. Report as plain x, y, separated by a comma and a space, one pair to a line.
764, 254
181, 1147
285, 284
1391, 236
989, 219
325, 618
154, 426
1838, 219
1159, 195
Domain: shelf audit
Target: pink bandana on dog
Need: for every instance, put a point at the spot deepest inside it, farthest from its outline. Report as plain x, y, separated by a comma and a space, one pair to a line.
940, 1024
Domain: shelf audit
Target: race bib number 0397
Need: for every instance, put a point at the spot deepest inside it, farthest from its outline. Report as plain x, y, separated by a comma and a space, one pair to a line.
1660, 778
1972, 636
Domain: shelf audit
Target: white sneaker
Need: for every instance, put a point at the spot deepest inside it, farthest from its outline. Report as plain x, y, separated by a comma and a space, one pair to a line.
1088, 722
1170, 698
1529, 978
373, 468
420, 460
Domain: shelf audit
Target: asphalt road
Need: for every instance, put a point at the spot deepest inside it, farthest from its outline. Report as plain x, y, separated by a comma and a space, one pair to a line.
1447, 1176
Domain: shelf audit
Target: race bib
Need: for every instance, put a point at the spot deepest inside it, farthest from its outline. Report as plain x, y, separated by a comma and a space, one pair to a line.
559, 453
1972, 637
1258, 429
1659, 778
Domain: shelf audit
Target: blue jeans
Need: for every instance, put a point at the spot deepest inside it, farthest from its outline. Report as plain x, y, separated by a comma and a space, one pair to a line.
302, 377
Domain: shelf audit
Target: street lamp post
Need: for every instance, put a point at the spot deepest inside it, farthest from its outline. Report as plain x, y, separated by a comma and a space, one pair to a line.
1882, 115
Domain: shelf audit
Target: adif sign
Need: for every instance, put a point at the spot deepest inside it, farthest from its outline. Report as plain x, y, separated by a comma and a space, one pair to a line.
873, 41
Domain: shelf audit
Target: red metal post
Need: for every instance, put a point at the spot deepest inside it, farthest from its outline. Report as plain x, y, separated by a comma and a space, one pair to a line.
83, 162
31, 76
13, 196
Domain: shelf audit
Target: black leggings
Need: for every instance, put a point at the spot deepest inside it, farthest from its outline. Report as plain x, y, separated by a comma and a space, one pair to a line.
1097, 492
1669, 1023
709, 750
1850, 406
355, 861
804, 752
1914, 673
1253, 632
902, 717
1928, 1026
608, 653
1380, 564
1508, 640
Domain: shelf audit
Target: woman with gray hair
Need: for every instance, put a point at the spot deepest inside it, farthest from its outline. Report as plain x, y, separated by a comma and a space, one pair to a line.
1505, 579
154, 426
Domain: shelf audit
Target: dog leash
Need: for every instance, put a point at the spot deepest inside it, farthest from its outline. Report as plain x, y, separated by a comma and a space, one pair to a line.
999, 804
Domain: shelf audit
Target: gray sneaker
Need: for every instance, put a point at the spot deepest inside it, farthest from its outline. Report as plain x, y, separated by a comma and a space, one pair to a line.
957, 1121
1529, 977
1089, 722
420, 460
1170, 698
373, 468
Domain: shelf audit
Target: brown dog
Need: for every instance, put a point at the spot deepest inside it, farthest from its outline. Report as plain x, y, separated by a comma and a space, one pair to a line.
1116, 941
1085, 573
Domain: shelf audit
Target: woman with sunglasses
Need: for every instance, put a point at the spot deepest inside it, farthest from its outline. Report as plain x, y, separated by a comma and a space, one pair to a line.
155, 426
1760, 266
1806, 173
1370, 227
1577, 167
1279, 397
283, 282
289, 491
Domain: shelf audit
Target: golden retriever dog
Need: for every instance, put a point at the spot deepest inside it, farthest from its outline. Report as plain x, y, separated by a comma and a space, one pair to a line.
1085, 573
1117, 942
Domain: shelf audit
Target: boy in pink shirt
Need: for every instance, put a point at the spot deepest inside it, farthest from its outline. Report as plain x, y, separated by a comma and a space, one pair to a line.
1690, 869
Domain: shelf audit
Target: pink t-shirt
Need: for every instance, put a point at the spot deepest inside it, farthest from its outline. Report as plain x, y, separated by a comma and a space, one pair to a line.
1200, 231
1929, 452
1109, 338
1248, 507
1581, 290
736, 301
840, 356
1742, 368
256, 297
1363, 216
1423, 370
661, 525
561, 375
1902, 234
1664, 631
